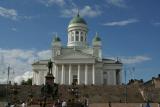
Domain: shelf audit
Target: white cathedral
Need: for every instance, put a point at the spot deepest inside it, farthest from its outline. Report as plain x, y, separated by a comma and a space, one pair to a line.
78, 62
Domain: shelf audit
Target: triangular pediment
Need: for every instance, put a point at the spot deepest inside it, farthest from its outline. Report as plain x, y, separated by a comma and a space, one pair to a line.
75, 55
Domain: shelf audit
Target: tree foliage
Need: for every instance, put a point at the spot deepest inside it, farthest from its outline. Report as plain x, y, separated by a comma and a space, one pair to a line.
28, 82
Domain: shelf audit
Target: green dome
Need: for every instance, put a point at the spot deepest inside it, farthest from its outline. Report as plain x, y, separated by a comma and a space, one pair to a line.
96, 38
77, 19
56, 39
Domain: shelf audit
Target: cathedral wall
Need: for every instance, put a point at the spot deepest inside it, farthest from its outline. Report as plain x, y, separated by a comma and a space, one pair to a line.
41, 77
98, 76
89, 74
111, 77
59, 74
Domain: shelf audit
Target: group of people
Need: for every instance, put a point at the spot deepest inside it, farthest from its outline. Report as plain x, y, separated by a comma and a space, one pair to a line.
15, 105
69, 103
59, 103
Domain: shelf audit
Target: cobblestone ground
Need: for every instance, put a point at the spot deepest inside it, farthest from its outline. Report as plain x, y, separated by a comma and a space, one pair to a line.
121, 105
102, 105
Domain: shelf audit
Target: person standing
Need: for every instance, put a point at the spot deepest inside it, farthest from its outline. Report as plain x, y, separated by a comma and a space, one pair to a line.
23, 104
86, 102
109, 104
148, 105
64, 104
141, 105
40, 103
159, 104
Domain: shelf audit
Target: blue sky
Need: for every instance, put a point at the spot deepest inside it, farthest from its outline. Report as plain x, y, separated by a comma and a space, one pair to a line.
130, 30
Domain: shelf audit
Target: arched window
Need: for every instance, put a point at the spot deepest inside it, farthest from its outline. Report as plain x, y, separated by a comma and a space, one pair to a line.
77, 35
77, 32
81, 37
81, 33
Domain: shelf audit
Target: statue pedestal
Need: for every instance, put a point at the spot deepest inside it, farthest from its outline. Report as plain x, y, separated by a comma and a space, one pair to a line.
49, 79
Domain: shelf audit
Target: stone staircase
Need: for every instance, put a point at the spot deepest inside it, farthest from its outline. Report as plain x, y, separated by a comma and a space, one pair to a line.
100, 94
95, 94
150, 93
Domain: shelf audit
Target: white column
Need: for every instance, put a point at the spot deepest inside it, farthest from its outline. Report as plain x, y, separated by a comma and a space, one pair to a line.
86, 74
33, 82
93, 74
74, 36
79, 36
44, 74
120, 76
114, 74
37, 77
70, 70
62, 75
54, 70
78, 74
57, 74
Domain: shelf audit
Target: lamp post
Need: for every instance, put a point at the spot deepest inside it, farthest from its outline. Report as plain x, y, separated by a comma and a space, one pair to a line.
7, 84
131, 70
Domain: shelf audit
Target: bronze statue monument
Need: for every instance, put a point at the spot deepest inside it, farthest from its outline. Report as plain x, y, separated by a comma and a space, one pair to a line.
50, 65
49, 91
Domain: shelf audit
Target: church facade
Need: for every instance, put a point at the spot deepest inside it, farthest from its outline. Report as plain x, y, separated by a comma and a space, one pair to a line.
77, 62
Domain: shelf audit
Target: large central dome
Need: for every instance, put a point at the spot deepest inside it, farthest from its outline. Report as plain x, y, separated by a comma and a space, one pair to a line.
77, 32
77, 19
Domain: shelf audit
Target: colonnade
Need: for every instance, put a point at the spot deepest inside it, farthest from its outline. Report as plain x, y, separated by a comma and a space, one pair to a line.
70, 70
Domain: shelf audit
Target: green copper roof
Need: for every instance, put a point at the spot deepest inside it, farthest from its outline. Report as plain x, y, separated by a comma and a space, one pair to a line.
77, 19
57, 39
96, 38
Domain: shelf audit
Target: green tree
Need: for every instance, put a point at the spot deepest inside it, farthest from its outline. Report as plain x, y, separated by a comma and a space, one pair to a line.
28, 82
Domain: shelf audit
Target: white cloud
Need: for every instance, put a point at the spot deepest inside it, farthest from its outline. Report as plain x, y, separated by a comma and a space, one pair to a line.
121, 23
52, 2
117, 3
156, 23
70, 9
8, 13
44, 54
20, 60
24, 76
86, 11
14, 29
133, 59
13, 15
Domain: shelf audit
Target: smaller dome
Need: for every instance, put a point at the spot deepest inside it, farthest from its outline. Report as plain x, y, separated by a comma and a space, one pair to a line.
56, 39
78, 19
96, 38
